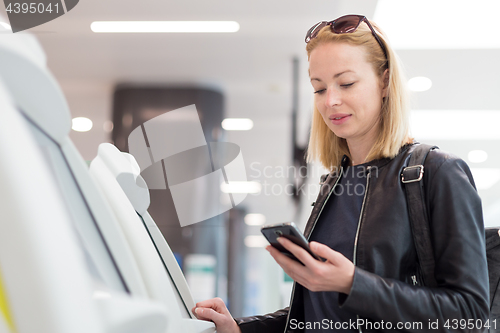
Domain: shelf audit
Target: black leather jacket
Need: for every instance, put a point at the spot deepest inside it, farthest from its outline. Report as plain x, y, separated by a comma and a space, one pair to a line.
387, 286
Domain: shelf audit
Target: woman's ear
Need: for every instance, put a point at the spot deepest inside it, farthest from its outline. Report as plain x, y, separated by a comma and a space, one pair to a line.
385, 78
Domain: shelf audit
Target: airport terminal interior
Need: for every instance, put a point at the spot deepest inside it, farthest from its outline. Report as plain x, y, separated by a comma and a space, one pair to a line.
137, 169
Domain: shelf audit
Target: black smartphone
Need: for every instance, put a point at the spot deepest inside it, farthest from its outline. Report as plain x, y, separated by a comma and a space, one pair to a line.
289, 231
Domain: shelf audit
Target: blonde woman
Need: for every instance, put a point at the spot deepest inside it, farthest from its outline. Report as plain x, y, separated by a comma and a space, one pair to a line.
371, 280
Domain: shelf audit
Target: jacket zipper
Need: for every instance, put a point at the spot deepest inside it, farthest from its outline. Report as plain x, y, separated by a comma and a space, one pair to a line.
310, 233
359, 225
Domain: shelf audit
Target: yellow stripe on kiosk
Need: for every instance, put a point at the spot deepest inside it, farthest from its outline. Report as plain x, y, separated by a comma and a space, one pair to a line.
4, 307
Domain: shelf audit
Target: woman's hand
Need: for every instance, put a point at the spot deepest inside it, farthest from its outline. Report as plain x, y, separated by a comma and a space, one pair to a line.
335, 274
215, 310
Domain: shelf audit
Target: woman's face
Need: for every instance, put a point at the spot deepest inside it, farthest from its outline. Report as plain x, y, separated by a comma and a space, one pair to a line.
347, 91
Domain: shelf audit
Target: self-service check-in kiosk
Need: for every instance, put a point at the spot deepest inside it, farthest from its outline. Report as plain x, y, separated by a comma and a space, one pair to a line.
78, 251
118, 176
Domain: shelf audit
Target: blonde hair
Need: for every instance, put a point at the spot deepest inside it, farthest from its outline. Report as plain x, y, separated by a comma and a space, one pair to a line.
328, 148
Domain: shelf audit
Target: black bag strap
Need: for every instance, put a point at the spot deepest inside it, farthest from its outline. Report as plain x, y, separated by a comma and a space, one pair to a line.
412, 178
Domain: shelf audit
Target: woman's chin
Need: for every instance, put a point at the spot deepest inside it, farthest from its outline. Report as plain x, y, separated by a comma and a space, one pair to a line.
341, 134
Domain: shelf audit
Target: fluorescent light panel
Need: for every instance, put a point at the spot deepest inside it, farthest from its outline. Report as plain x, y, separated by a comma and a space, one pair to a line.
81, 124
419, 83
241, 187
477, 156
255, 219
99, 294
255, 241
237, 124
443, 24
455, 124
164, 26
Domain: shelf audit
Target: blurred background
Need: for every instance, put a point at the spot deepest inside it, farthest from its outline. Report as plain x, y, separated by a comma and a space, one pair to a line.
449, 49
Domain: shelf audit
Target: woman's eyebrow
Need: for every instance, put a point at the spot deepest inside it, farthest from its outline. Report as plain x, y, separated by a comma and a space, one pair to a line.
335, 76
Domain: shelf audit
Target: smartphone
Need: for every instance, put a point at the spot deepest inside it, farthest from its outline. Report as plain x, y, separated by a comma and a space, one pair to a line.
289, 231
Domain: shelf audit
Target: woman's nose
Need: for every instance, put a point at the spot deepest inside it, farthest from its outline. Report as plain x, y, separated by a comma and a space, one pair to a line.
332, 98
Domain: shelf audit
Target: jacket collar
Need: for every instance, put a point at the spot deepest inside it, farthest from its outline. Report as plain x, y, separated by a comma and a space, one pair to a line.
375, 163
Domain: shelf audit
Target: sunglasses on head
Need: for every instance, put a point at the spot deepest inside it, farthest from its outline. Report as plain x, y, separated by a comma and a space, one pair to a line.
343, 25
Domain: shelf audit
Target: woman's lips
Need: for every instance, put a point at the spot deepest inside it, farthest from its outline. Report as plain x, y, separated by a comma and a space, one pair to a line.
338, 119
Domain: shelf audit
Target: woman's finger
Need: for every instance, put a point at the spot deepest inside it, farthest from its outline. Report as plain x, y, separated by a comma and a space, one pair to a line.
217, 304
326, 252
209, 314
284, 261
294, 269
215, 310
298, 252
214, 303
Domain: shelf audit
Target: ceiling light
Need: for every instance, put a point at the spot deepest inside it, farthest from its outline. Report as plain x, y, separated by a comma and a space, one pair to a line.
241, 187
255, 241
477, 156
419, 83
455, 124
255, 219
237, 124
164, 26
443, 24
99, 294
81, 124
485, 177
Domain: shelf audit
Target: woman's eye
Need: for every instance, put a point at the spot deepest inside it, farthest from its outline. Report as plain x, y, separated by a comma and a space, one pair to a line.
347, 85
319, 91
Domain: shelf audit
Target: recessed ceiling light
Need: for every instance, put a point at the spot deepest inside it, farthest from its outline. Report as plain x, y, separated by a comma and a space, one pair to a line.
237, 124
241, 187
255, 241
419, 83
477, 156
164, 26
431, 24
455, 124
81, 124
485, 178
255, 219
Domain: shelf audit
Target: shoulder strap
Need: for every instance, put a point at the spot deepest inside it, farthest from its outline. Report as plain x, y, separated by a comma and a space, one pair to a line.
412, 177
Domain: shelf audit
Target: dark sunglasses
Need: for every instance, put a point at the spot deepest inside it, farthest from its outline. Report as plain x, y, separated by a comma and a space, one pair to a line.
343, 25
